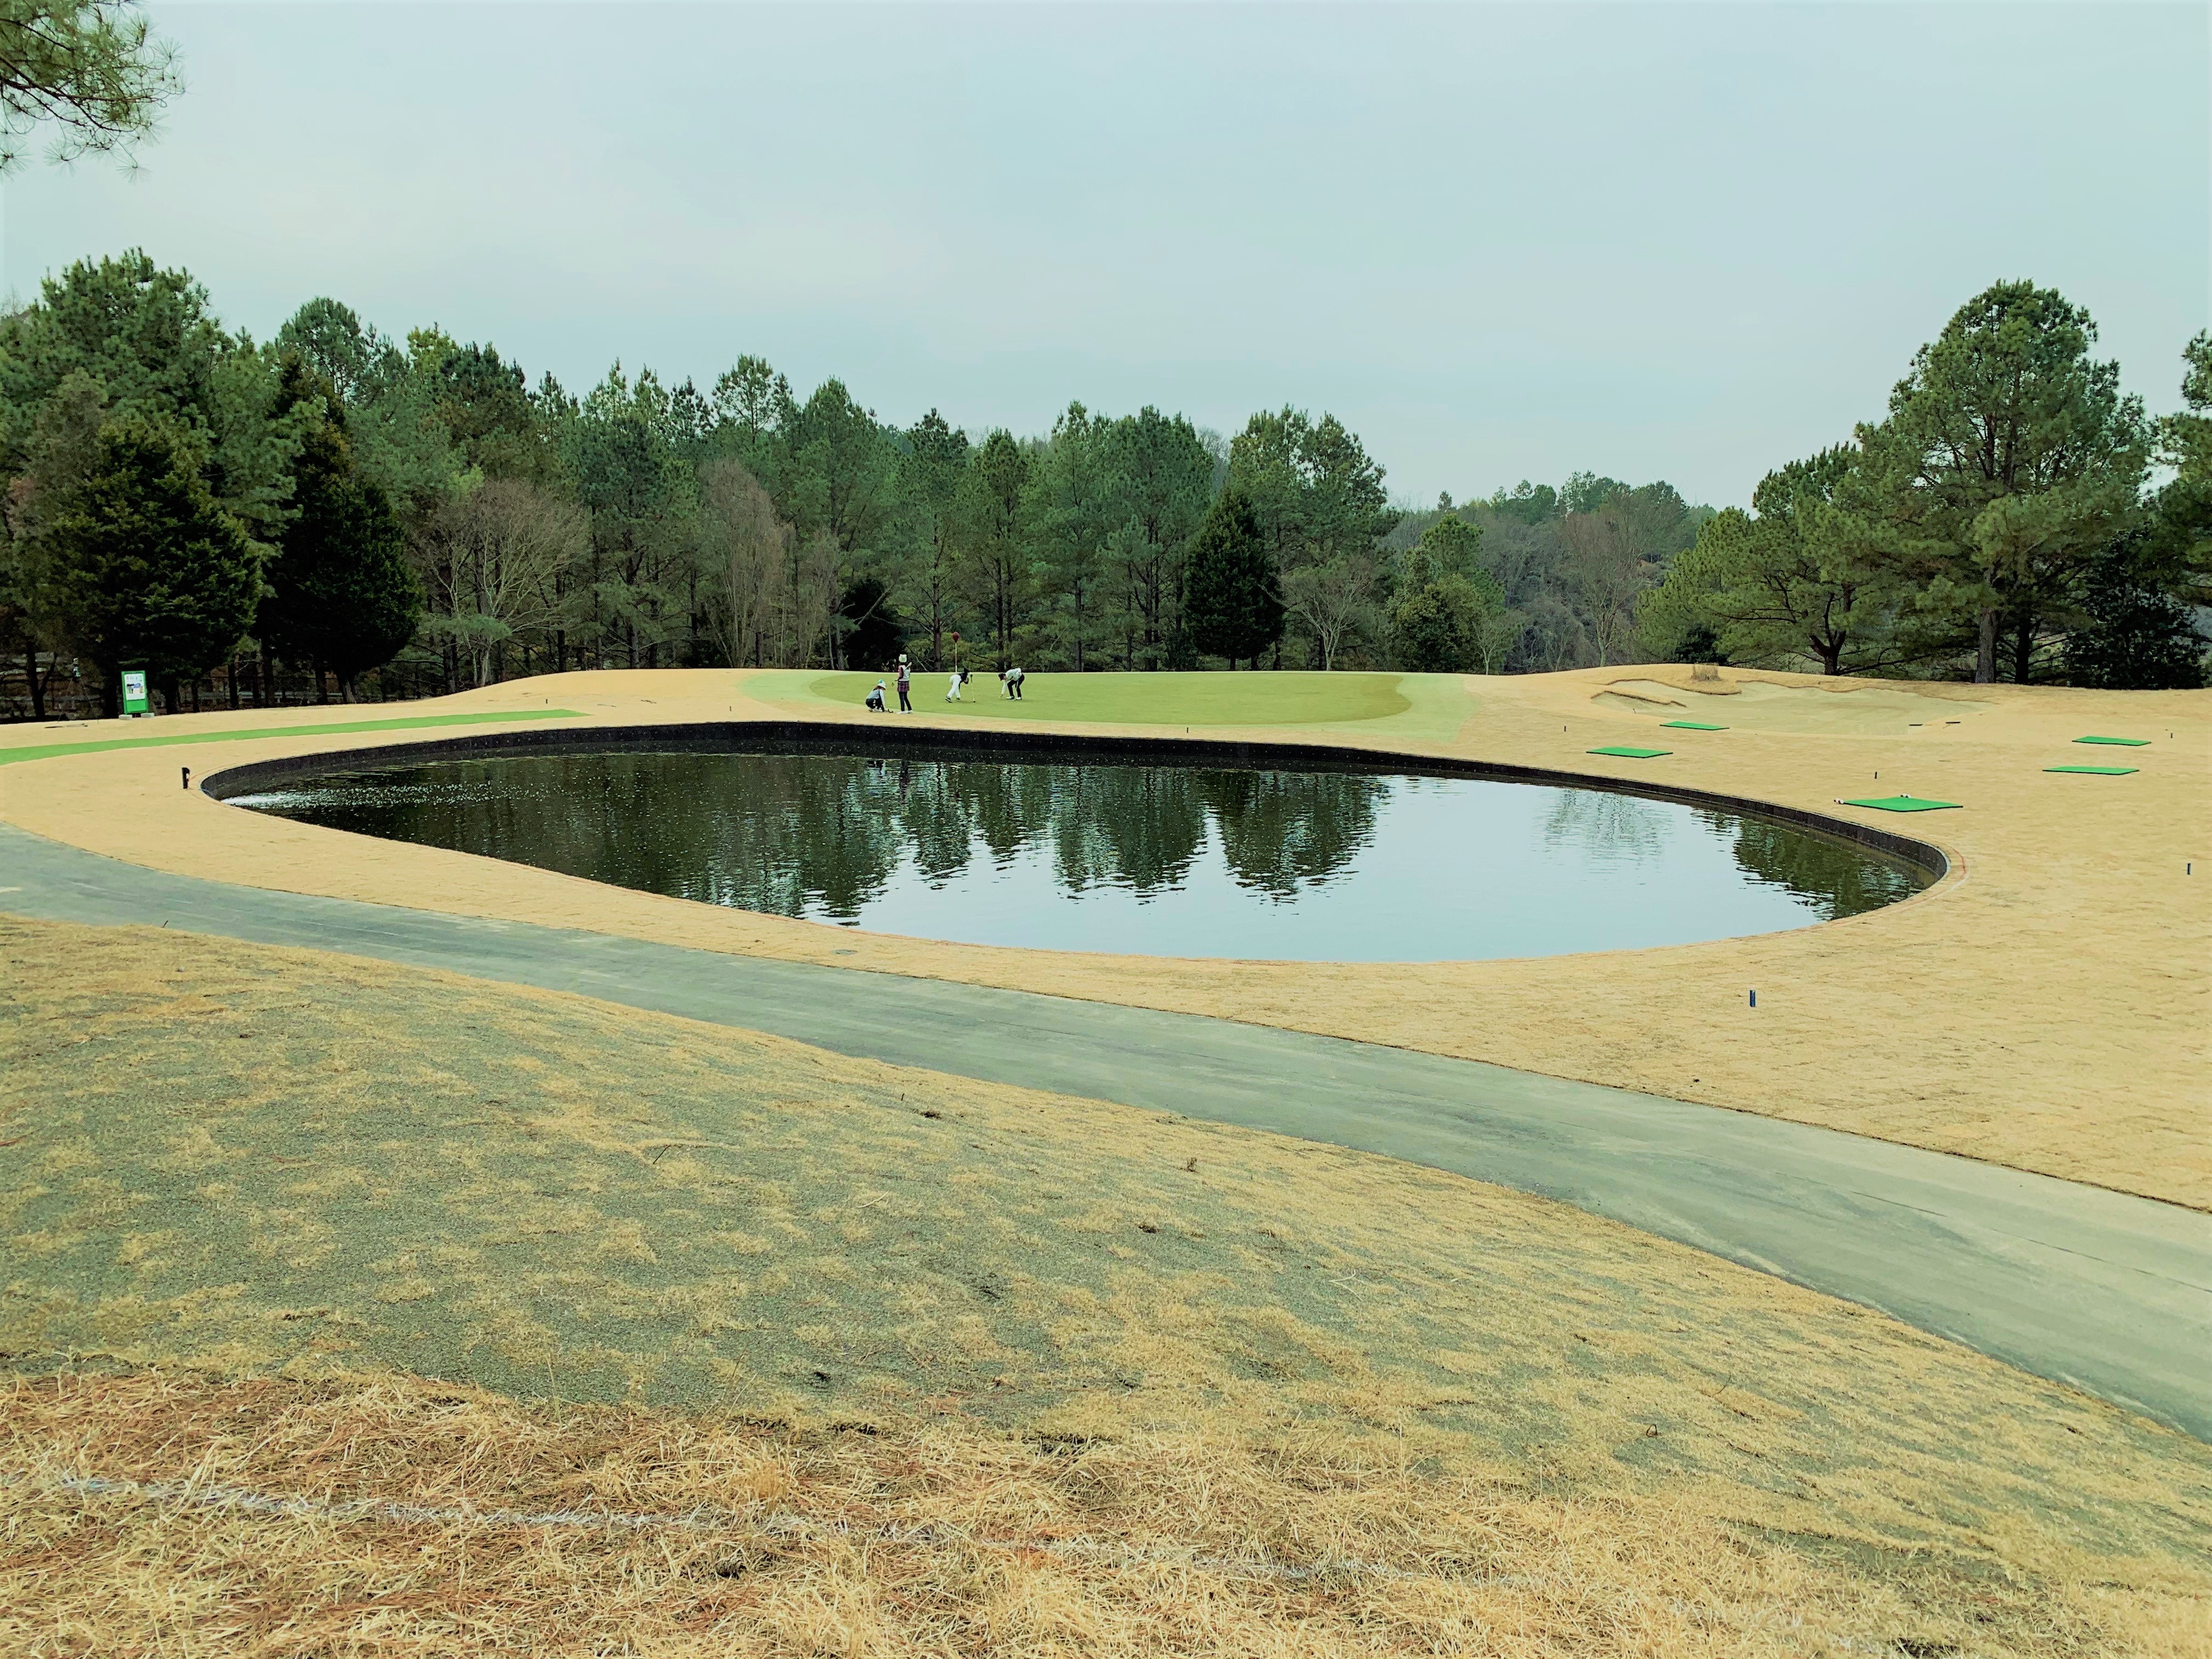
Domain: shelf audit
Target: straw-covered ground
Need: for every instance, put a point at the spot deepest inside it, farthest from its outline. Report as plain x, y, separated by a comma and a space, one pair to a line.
2048, 1007
357, 1310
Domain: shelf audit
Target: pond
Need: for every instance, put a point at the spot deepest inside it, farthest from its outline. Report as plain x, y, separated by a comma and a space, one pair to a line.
1095, 854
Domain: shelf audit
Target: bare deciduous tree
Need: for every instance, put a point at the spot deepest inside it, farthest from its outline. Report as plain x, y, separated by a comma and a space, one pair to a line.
775, 603
493, 559
1334, 600
1606, 569
749, 550
816, 586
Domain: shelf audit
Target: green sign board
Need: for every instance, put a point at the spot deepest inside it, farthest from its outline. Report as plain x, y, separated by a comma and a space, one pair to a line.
133, 691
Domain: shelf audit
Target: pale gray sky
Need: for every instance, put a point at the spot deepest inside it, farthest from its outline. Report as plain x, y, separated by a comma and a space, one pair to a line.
1500, 242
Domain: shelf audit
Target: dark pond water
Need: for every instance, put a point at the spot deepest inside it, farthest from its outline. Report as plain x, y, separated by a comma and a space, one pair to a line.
1162, 860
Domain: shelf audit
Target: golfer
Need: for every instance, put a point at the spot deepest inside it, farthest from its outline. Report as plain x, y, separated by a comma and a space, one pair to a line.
876, 697
952, 686
905, 708
1014, 678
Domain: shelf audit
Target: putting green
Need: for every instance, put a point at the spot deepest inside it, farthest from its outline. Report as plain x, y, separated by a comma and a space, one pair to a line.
2096, 771
1420, 704
1692, 726
2123, 743
1625, 752
48, 750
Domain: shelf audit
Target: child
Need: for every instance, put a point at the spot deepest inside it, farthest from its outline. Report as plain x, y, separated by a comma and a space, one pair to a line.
876, 697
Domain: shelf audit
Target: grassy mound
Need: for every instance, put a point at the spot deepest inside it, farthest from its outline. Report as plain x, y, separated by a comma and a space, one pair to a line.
918, 1302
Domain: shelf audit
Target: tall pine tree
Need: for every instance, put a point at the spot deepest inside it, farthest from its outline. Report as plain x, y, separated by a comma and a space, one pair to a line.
1231, 605
342, 595
2009, 461
152, 572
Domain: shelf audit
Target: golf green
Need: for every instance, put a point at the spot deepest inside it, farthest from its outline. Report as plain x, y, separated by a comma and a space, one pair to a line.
1625, 752
1691, 725
1264, 698
2098, 771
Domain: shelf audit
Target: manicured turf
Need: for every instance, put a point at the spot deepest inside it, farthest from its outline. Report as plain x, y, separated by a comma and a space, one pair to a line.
1218, 699
1901, 804
1692, 726
2099, 771
2125, 742
1626, 753
47, 751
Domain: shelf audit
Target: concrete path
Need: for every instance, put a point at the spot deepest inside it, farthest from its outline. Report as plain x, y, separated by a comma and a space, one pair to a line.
2111, 1293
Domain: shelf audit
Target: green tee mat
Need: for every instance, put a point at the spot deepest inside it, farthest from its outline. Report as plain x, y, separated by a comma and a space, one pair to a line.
2101, 771
2125, 742
1692, 726
1629, 754
1901, 804
47, 751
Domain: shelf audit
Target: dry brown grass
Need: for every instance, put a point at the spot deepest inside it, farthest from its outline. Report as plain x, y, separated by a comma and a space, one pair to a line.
251, 1199
935, 1538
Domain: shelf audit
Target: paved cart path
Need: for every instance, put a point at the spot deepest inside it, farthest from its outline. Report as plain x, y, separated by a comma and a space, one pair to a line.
2109, 1292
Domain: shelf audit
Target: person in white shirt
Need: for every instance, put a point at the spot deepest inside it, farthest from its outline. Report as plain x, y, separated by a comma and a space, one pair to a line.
952, 687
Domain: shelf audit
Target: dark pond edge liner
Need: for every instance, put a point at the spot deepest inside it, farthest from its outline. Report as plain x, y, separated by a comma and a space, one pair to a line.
935, 743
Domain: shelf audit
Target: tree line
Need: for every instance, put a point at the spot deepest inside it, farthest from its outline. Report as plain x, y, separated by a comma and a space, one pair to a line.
2012, 516
186, 500
334, 512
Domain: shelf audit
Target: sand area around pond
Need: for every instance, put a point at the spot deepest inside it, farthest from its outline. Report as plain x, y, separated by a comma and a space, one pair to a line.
2046, 1006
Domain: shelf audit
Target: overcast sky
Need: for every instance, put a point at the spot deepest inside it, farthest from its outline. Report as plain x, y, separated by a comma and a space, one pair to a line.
1499, 241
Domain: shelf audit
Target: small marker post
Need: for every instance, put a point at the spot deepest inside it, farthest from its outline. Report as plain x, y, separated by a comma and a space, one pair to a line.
1754, 998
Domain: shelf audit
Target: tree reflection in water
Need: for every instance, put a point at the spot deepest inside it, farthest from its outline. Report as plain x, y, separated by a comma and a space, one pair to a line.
822, 835
1310, 866
1282, 830
1798, 862
1141, 828
1606, 826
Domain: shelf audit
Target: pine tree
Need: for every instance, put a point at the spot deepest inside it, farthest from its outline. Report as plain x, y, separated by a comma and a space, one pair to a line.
342, 595
2008, 460
2138, 637
1231, 605
152, 572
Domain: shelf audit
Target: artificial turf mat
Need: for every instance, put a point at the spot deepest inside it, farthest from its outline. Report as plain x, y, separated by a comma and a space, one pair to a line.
2125, 742
2101, 771
1900, 804
1629, 754
1692, 726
